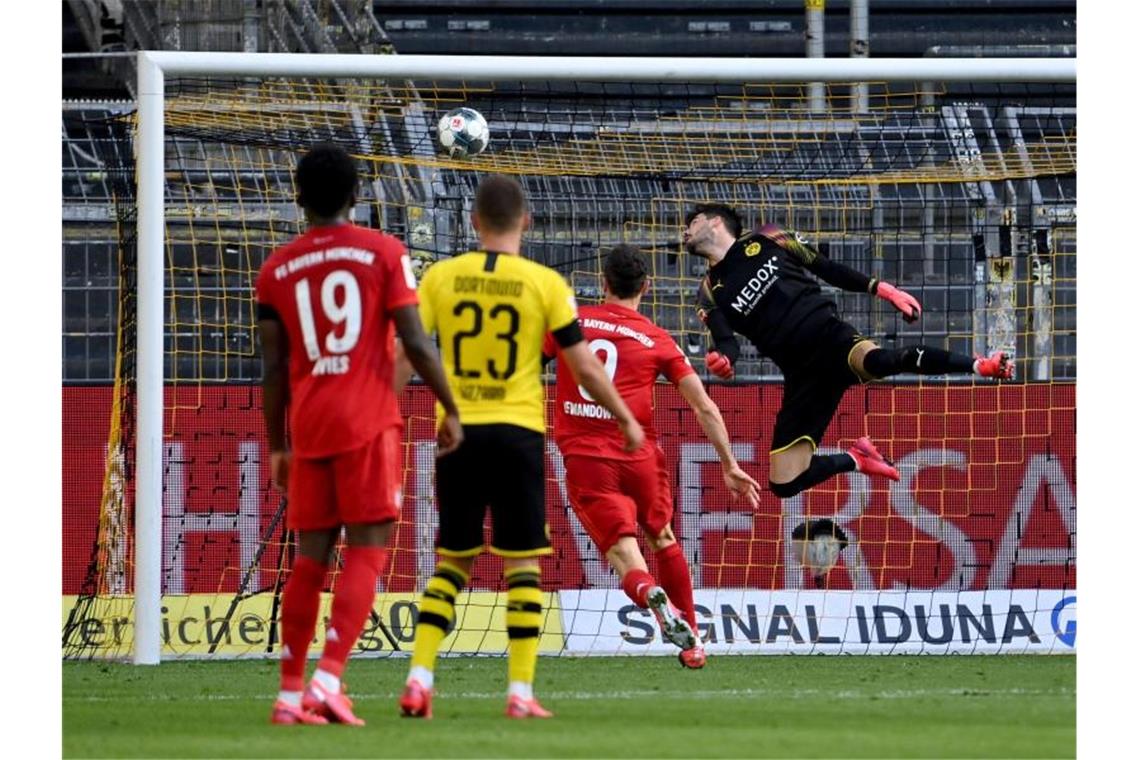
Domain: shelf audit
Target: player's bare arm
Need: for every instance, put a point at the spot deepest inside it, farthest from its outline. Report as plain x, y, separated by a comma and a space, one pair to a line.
402, 369
591, 375
275, 395
708, 415
421, 355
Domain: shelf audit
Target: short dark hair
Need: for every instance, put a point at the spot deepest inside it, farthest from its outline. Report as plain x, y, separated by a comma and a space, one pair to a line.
500, 203
326, 180
625, 270
731, 219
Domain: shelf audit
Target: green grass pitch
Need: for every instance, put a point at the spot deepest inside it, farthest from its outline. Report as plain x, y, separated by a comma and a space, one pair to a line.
772, 706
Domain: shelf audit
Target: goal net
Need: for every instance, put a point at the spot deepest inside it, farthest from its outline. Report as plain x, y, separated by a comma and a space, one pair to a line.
963, 193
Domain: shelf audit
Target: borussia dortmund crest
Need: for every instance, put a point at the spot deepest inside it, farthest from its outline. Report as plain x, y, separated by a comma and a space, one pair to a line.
752, 249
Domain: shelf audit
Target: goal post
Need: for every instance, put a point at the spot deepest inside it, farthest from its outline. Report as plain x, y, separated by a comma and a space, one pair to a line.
155, 67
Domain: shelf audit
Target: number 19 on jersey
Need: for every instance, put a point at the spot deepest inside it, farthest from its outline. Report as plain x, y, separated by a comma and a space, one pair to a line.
340, 302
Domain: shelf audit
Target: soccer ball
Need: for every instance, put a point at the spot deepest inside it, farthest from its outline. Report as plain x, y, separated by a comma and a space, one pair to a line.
463, 132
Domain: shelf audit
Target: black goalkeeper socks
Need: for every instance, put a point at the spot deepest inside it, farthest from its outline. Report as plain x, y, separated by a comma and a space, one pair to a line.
821, 468
921, 360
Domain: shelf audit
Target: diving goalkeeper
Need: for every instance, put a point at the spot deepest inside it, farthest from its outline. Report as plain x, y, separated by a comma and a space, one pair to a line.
759, 285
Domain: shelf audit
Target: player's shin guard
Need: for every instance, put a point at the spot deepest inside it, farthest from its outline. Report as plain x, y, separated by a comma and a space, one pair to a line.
524, 622
920, 360
351, 604
673, 571
437, 613
300, 604
821, 468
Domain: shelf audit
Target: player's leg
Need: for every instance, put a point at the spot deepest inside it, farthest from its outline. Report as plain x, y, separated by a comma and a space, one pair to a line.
624, 556
367, 482
872, 362
866, 456
311, 514
644, 591
609, 515
462, 503
797, 468
810, 401
520, 535
656, 519
869, 362
524, 627
435, 621
672, 601
812, 394
365, 557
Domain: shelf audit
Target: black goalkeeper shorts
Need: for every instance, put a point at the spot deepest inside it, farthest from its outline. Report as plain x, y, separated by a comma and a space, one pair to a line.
814, 387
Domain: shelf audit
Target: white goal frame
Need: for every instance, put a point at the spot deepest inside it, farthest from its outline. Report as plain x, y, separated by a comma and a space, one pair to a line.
153, 67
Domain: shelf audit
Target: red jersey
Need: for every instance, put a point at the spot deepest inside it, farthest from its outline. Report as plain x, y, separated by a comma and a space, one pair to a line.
634, 352
334, 289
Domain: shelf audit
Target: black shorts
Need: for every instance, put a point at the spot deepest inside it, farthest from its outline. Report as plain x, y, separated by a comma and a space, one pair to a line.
814, 386
498, 466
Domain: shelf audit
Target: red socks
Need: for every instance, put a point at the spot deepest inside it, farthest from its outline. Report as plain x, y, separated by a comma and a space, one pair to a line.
673, 571
352, 601
636, 584
300, 604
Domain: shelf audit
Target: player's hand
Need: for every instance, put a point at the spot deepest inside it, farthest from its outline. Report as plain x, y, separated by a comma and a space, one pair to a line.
279, 462
742, 486
633, 434
449, 436
719, 365
901, 300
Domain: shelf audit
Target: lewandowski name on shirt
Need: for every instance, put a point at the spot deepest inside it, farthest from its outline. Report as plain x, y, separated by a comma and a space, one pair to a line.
307, 260
597, 324
594, 411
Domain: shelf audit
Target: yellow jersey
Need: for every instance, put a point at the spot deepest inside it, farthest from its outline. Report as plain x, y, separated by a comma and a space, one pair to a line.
492, 312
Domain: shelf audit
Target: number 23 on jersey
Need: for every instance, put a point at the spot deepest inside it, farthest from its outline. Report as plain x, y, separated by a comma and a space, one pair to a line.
500, 315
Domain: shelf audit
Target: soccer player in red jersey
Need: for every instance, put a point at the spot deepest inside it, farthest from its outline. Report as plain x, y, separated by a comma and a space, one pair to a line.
329, 305
613, 491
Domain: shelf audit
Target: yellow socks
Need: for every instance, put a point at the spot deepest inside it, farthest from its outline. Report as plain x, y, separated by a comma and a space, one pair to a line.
524, 622
437, 613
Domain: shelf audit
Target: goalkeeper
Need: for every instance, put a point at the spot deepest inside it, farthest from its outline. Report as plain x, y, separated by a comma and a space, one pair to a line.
758, 284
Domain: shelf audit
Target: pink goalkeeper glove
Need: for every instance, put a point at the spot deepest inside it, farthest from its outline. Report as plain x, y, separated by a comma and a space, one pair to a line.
901, 300
719, 365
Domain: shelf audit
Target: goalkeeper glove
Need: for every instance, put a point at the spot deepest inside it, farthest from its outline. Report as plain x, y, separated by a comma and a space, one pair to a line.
901, 300
719, 365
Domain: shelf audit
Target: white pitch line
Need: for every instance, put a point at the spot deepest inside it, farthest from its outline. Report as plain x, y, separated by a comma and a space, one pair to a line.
841, 694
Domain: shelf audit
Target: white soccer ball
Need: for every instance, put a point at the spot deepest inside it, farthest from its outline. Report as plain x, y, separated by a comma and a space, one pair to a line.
463, 132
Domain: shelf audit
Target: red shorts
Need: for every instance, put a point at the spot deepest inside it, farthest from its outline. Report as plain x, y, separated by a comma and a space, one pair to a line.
354, 487
612, 497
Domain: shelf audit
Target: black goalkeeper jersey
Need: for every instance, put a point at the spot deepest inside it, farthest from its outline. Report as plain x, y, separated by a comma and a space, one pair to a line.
764, 289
